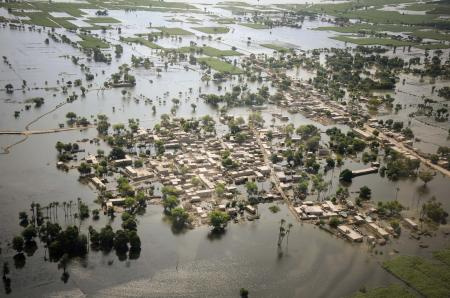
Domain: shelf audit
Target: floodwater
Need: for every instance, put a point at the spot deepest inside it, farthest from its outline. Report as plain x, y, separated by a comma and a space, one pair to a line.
313, 263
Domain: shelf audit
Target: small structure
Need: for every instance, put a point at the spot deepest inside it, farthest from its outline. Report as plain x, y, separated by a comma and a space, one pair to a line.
364, 171
350, 234
411, 224
379, 231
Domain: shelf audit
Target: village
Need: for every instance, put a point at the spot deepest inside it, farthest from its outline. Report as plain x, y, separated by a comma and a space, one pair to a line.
232, 174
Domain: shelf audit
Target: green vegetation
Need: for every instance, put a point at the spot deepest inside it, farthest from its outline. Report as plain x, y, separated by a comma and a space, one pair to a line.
431, 34
431, 279
433, 46
102, 20
174, 31
220, 66
218, 220
141, 41
391, 291
209, 51
443, 256
367, 41
212, 30
255, 25
225, 21
90, 42
274, 47
359, 28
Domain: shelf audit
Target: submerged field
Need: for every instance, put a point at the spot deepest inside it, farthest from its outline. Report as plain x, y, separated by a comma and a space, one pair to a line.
141, 63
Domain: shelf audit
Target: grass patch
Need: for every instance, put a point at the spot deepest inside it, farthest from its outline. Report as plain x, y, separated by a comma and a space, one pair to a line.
429, 278
225, 21
391, 291
90, 42
368, 41
209, 51
254, 25
442, 256
357, 28
174, 31
431, 34
100, 20
141, 41
275, 47
274, 208
220, 66
433, 46
212, 30
388, 17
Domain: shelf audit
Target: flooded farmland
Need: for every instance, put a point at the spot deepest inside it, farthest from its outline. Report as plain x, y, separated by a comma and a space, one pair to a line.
198, 124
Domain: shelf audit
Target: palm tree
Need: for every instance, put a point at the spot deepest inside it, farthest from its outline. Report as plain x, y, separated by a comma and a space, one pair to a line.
281, 233
56, 209
32, 210
290, 225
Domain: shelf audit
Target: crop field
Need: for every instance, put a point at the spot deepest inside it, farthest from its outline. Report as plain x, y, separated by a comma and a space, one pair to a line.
368, 28
368, 41
210, 51
255, 25
212, 30
430, 278
220, 65
91, 42
100, 20
391, 291
174, 31
274, 47
142, 41
430, 34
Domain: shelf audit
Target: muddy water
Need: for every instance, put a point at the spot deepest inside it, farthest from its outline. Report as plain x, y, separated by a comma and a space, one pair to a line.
313, 264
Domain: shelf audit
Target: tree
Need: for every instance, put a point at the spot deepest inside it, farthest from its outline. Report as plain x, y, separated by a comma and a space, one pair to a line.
346, 175
365, 192
71, 116
433, 210
218, 219
121, 241
9, 88
243, 292
334, 222
426, 176
170, 202
252, 188
179, 216
117, 153
135, 241
84, 169
29, 233
18, 243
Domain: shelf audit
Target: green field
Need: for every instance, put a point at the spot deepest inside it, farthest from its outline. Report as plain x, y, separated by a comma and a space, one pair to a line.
368, 41
391, 291
254, 25
388, 17
209, 51
212, 30
356, 28
101, 20
431, 34
174, 31
141, 41
220, 66
430, 278
274, 47
433, 46
91, 42
443, 256
225, 21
